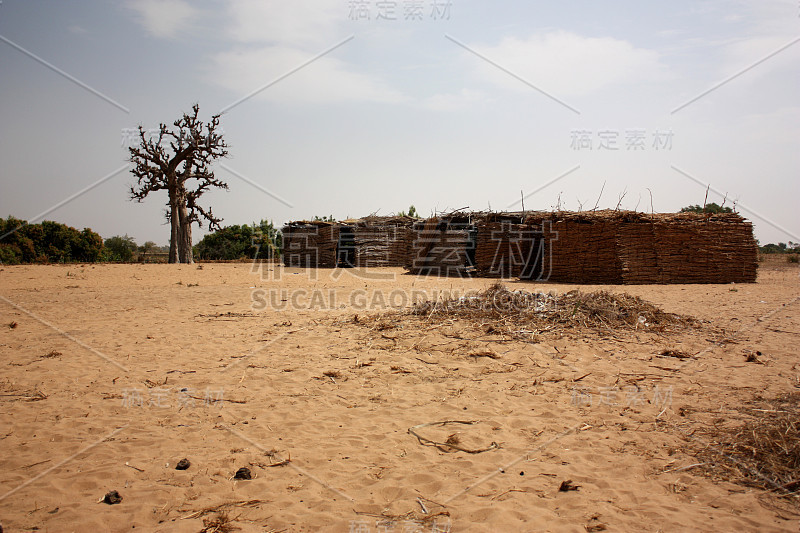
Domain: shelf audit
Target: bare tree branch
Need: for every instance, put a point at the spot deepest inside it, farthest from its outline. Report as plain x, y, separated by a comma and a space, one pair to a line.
170, 161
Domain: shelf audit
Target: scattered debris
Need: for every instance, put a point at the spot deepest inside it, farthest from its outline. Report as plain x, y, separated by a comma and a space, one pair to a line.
522, 313
219, 524
491, 354
27, 396
388, 521
452, 442
762, 451
677, 354
751, 357
222, 506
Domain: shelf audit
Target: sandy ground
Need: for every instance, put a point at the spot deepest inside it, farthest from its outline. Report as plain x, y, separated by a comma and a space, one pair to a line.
114, 373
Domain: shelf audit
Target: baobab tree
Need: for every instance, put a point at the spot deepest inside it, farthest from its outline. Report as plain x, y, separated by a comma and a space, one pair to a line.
168, 161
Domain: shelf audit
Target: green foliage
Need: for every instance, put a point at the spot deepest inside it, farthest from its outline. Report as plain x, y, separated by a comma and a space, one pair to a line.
148, 248
328, 218
412, 212
780, 248
240, 242
46, 242
710, 208
119, 248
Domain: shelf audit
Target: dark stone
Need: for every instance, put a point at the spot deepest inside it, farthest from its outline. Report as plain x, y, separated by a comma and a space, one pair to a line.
183, 464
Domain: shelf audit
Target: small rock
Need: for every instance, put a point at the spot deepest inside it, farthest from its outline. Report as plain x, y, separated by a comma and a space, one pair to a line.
183, 464
243, 473
112, 497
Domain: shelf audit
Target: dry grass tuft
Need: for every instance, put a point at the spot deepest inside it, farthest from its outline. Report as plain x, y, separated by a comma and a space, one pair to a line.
218, 524
516, 312
763, 451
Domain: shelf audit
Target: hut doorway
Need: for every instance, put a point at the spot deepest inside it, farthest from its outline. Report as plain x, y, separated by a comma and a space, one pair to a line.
472, 246
346, 248
533, 268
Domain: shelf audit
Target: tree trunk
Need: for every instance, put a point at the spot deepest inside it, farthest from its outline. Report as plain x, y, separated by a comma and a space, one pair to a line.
184, 234
174, 225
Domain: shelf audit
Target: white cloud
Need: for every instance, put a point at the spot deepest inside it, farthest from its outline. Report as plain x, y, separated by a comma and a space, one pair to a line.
325, 80
163, 18
454, 101
565, 63
744, 53
293, 23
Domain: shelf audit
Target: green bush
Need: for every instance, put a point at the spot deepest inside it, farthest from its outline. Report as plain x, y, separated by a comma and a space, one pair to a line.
119, 248
240, 242
46, 242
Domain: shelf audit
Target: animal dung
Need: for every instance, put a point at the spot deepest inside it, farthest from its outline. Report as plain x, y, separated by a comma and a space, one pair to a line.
112, 497
243, 473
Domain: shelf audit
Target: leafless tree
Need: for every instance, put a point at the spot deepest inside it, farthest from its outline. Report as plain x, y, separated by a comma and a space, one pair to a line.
168, 162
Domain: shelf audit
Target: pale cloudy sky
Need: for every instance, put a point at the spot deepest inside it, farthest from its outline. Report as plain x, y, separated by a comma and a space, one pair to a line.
375, 105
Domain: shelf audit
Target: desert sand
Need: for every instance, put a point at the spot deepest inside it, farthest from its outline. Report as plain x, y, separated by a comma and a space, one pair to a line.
113, 373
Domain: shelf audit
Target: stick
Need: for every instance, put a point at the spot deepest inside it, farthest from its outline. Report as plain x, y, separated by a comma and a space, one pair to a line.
135, 468
506, 492
681, 469
598, 198
214, 400
428, 442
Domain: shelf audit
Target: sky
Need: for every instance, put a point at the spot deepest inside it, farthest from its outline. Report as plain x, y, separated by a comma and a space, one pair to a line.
351, 107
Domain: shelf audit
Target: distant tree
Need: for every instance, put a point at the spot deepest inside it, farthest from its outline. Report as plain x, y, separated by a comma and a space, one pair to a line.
168, 162
120, 248
90, 247
709, 208
46, 242
240, 242
269, 239
147, 248
412, 212
780, 248
328, 218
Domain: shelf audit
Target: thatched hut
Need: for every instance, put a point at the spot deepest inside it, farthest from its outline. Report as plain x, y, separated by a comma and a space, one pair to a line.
630, 247
507, 246
443, 246
382, 241
311, 244
598, 247
687, 248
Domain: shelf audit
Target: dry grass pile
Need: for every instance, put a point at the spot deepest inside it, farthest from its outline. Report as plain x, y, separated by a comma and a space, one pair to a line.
763, 451
527, 312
